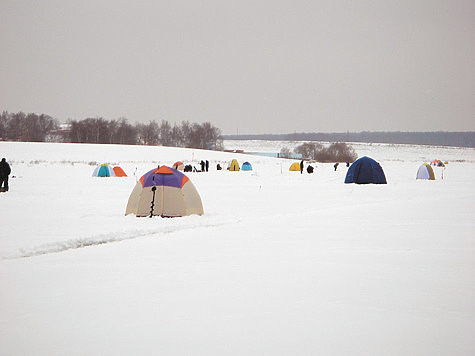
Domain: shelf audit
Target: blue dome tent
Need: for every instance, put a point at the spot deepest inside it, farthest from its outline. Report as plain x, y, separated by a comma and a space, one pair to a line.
246, 166
365, 170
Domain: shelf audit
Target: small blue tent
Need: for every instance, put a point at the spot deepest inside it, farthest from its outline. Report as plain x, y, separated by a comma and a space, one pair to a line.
365, 170
246, 166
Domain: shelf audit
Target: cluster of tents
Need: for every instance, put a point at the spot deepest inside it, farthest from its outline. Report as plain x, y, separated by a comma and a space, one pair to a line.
162, 191
105, 170
234, 166
167, 192
366, 170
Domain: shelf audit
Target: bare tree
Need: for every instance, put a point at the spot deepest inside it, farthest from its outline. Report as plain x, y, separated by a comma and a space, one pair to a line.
308, 150
148, 134
165, 132
284, 152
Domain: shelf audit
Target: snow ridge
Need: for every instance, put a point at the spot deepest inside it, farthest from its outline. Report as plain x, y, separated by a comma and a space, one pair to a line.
96, 240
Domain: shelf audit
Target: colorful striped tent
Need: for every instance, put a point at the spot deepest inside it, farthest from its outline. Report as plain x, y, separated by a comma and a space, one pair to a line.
104, 170
164, 192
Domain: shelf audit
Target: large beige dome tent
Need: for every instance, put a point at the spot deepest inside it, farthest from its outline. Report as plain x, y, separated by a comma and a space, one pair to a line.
164, 192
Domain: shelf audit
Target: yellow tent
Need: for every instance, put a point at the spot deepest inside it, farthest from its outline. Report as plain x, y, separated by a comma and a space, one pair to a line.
295, 167
234, 166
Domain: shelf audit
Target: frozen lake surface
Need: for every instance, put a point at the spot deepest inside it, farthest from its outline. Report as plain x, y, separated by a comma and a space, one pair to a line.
281, 263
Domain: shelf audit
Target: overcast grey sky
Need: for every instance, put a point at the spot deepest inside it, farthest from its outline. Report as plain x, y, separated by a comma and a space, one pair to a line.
269, 66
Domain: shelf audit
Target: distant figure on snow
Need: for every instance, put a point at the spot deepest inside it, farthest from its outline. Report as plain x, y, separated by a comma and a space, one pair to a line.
309, 169
4, 173
347, 164
218, 167
202, 163
336, 165
207, 165
301, 166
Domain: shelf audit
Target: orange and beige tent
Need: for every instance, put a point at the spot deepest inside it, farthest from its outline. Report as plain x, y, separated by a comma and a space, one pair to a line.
164, 192
179, 166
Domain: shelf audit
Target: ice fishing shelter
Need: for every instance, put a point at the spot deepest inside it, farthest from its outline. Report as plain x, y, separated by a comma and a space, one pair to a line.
104, 170
234, 165
365, 170
295, 166
425, 172
164, 192
179, 166
119, 172
437, 163
246, 166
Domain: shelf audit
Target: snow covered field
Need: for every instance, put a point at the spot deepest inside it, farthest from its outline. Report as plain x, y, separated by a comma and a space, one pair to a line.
280, 263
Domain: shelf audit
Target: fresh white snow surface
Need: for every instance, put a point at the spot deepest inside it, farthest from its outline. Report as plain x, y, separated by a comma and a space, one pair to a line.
281, 263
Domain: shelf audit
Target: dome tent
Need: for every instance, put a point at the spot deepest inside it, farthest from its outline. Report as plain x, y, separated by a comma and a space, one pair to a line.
164, 192
104, 170
119, 172
234, 166
179, 166
246, 166
365, 170
295, 167
425, 171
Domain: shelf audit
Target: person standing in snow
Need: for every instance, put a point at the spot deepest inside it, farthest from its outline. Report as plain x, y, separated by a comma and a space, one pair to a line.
5, 171
202, 164
336, 166
301, 167
207, 165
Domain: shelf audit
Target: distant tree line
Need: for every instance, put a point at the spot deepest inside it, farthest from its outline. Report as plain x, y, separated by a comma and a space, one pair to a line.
438, 138
43, 128
27, 127
335, 152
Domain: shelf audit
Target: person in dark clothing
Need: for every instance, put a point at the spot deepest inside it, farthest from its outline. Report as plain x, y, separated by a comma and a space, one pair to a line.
202, 163
347, 164
207, 165
309, 169
301, 166
218, 167
4, 173
336, 165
